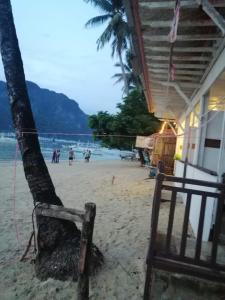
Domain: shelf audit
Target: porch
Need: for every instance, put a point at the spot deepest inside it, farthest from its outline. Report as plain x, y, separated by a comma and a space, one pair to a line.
179, 53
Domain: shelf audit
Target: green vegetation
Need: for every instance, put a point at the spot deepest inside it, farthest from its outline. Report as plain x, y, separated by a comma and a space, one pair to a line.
132, 119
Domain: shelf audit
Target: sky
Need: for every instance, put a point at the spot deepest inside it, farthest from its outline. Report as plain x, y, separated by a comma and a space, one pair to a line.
60, 54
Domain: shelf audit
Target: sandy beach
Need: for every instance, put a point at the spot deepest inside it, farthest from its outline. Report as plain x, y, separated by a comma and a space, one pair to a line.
121, 228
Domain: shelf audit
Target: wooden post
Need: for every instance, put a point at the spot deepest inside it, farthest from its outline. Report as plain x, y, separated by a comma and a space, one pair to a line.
85, 251
153, 235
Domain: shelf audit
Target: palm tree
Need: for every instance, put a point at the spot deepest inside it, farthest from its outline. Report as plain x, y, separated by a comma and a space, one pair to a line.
116, 30
53, 234
133, 80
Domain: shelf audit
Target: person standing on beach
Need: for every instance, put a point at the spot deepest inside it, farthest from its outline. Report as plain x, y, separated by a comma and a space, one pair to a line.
71, 157
57, 155
54, 156
87, 155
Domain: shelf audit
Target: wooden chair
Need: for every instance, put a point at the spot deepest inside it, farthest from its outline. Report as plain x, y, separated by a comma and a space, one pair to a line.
87, 218
161, 253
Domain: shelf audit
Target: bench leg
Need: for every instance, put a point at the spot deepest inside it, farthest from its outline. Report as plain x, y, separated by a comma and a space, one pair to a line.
148, 283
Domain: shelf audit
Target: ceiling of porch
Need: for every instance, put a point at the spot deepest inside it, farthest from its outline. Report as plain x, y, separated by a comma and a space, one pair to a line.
199, 40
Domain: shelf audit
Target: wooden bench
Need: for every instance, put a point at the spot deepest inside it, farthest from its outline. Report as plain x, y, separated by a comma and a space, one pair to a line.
164, 253
87, 218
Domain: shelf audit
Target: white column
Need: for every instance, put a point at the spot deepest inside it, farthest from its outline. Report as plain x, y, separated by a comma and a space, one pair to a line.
221, 157
198, 133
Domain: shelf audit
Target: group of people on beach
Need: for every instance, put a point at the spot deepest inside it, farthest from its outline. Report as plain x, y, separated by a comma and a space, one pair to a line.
86, 155
55, 156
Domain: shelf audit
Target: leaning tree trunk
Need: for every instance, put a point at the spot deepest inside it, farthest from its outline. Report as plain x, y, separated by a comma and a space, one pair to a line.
126, 88
58, 240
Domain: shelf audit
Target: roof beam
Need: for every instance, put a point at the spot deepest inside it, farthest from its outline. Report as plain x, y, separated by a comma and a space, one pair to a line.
167, 4
185, 37
178, 66
181, 84
164, 92
181, 72
181, 49
177, 77
180, 58
182, 94
178, 89
163, 24
213, 14
170, 4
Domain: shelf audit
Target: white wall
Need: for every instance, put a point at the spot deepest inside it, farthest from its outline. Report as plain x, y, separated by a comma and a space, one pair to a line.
194, 173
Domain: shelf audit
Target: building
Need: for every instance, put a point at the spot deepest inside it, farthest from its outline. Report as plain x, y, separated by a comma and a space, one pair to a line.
179, 53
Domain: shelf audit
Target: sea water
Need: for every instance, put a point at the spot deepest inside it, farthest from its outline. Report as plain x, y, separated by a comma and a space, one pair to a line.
9, 149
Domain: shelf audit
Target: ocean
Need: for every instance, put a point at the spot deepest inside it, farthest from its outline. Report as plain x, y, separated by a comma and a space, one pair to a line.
9, 152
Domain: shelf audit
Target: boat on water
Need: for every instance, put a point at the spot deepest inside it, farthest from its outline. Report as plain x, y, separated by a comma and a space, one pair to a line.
7, 137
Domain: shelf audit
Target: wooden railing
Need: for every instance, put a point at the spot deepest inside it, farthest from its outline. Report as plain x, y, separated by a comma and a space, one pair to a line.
87, 218
160, 253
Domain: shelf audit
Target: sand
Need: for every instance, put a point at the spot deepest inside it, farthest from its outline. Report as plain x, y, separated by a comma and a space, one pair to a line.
121, 228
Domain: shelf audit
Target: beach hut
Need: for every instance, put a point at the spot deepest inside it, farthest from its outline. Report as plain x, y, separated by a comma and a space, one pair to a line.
164, 149
161, 148
179, 53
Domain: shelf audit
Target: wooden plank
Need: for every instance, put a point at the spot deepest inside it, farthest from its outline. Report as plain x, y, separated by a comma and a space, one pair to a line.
73, 211
60, 214
188, 269
188, 23
167, 4
153, 234
171, 219
155, 213
180, 49
177, 77
179, 58
181, 72
185, 37
186, 190
200, 228
85, 252
178, 66
177, 86
217, 228
170, 4
196, 182
191, 261
185, 225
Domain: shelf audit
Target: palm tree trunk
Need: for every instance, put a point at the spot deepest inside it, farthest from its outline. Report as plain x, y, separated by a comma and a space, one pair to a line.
57, 238
126, 88
35, 169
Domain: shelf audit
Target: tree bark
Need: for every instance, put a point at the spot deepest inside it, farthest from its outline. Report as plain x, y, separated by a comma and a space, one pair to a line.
126, 88
57, 238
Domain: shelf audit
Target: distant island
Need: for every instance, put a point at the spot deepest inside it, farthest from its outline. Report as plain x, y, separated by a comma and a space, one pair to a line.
53, 112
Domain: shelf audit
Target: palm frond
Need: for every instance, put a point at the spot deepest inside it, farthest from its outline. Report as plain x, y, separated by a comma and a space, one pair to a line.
117, 75
117, 65
104, 5
105, 37
119, 80
96, 21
